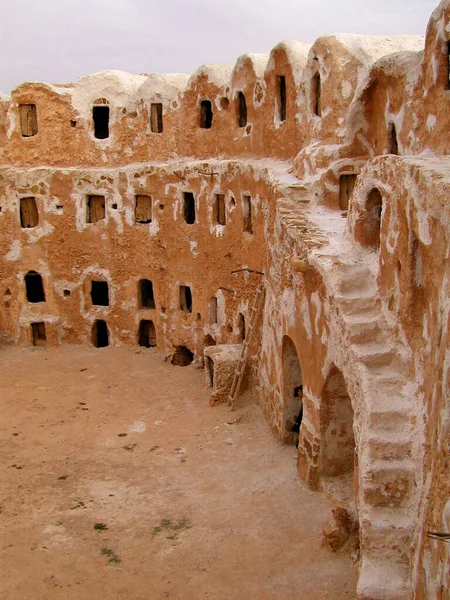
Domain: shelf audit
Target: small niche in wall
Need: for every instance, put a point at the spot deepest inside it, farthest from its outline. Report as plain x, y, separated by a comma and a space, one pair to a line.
29, 216
100, 334
282, 97
147, 334
346, 185
34, 287
38, 334
219, 214
95, 208
156, 117
247, 213
316, 95
100, 116
143, 209
242, 110
206, 114
393, 140
185, 298
146, 294
189, 207
100, 293
213, 311
28, 120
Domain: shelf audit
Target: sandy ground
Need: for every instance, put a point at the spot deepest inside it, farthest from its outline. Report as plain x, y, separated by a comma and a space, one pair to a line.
186, 505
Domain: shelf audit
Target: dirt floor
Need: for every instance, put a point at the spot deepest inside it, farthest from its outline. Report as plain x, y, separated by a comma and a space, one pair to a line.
119, 481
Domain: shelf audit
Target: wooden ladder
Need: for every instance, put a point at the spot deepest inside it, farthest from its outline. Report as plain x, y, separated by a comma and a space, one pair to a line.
240, 369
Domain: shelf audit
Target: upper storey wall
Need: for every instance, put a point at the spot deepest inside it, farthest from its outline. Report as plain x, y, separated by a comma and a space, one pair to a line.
319, 104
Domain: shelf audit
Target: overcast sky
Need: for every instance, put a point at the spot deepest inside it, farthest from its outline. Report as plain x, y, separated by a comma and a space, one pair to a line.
60, 40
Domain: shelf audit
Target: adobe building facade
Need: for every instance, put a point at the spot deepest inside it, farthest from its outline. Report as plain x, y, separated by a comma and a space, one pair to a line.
147, 209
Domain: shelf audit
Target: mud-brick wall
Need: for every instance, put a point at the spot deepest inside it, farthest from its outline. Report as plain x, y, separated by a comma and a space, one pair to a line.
68, 252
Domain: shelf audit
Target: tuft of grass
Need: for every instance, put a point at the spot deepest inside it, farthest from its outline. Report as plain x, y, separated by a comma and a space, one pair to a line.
130, 447
63, 477
113, 558
100, 527
153, 448
122, 434
168, 525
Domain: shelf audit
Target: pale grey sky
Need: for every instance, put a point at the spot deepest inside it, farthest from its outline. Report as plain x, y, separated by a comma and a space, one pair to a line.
60, 40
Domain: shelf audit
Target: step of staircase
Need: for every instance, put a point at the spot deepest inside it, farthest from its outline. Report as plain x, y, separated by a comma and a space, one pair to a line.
388, 483
383, 580
388, 446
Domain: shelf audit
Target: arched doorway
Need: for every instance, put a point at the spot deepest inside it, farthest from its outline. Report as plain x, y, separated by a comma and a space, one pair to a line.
292, 380
336, 427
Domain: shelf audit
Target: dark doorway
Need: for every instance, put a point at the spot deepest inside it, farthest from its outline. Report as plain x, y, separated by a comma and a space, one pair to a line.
146, 296
206, 114
34, 287
100, 334
99, 293
219, 215
242, 110
189, 208
185, 298
213, 310
346, 186
182, 357
292, 380
100, 115
147, 334
38, 334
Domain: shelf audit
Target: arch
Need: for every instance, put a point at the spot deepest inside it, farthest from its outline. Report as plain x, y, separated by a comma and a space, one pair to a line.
336, 427
34, 287
100, 334
292, 379
368, 225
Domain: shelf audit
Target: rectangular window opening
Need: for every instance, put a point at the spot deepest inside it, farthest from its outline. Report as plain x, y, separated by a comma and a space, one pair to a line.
28, 119
100, 115
393, 140
189, 208
95, 209
99, 293
346, 185
156, 117
206, 114
29, 216
448, 65
219, 209
185, 298
143, 209
38, 334
146, 294
282, 97
247, 213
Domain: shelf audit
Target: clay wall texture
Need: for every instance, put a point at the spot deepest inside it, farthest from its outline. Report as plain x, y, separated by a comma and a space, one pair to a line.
356, 298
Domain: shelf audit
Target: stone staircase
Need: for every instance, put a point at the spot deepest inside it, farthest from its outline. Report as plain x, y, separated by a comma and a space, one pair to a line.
386, 418
387, 485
